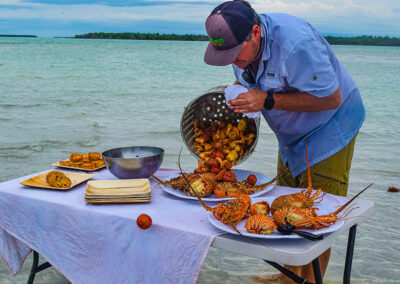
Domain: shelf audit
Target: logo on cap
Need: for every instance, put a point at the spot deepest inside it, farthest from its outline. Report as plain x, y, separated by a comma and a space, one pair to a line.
216, 42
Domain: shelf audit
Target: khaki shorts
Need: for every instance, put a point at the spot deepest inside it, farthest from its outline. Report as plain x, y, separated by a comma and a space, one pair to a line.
331, 174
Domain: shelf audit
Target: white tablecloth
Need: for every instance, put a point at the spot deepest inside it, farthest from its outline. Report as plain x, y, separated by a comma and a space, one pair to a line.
102, 243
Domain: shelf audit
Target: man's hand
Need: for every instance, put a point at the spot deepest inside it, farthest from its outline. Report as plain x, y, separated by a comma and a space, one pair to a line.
252, 101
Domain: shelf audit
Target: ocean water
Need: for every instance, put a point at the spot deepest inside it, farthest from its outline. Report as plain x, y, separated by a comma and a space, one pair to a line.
59, 96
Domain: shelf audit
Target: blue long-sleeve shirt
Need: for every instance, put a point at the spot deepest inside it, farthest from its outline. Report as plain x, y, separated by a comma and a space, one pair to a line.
296, 58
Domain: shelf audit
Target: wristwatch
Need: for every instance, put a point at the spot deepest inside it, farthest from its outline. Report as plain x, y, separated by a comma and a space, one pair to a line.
269, 101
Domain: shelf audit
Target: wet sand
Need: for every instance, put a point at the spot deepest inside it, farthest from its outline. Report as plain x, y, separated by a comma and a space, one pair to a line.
47, 276
219, 267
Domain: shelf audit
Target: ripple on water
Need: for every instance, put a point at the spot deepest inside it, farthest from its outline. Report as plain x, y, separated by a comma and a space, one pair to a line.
33, 148
97, 125
78, 115
7, 106
89, 142
24, 149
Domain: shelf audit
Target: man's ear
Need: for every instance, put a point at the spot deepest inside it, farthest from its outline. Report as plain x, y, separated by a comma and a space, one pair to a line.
256, 32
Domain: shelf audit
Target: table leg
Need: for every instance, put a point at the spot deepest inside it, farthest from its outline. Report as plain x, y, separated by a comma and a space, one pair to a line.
289, 273
36, 268
349, 254
317, 271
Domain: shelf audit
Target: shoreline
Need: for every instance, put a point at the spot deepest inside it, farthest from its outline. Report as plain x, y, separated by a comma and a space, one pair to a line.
364, 40
332, 40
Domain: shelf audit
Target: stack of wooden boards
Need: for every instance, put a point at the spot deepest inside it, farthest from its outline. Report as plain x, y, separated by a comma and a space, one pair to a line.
118, 191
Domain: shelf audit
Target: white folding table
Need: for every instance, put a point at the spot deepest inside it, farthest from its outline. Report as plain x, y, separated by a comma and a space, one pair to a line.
283, 251
274, 251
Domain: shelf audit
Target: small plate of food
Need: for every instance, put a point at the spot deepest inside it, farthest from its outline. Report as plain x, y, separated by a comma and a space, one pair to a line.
90, 162
57, 180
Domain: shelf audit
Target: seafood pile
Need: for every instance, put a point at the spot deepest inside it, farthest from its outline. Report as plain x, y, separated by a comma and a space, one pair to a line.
297, 209
222, 185
260, 219
235, 210
219, 144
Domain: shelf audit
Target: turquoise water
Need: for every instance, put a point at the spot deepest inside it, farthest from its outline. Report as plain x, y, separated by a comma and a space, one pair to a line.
59, 96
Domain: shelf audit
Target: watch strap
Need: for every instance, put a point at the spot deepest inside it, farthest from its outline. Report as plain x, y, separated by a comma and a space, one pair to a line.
269, 101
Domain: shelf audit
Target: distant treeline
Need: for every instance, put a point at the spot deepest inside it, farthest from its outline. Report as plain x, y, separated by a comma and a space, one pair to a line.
359, 40
144, 36
364, 40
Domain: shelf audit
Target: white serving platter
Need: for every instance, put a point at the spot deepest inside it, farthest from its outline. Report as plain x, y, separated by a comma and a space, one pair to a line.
241, 175
323, 209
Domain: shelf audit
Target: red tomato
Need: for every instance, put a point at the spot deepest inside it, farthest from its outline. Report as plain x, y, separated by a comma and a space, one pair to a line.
144, 221
252, 179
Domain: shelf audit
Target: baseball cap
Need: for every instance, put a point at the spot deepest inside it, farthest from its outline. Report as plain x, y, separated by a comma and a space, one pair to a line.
227, 27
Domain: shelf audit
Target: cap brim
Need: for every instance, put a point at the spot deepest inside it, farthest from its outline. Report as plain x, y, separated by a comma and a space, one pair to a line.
218, 57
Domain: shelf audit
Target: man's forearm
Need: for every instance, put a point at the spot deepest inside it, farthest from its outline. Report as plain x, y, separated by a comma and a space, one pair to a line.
304, 102
254, 100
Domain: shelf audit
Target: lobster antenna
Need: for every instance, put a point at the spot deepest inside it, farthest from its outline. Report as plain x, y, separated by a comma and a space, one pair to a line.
348, 202
272, 180
156, 178
187, 181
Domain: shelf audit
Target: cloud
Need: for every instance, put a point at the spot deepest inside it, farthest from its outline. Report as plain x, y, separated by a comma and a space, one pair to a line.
119, 3
331, 10
329, 17
349, 17
181, 11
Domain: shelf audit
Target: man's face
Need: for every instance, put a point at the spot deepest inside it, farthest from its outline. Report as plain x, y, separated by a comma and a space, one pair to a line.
249, 50
246, 55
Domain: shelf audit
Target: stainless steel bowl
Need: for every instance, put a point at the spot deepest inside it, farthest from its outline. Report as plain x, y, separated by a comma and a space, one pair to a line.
133, 162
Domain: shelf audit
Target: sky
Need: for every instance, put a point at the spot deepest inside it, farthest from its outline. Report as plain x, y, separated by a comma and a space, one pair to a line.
49, 18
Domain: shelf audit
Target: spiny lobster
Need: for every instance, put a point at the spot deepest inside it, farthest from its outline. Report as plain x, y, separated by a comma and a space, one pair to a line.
297, 210
234, 189
199, 184
308, 217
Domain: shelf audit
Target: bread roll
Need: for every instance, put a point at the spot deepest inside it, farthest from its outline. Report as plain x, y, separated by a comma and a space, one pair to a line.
93, 156
56, 180
75, 158
98, 163
53, 173
65, 163
88, 166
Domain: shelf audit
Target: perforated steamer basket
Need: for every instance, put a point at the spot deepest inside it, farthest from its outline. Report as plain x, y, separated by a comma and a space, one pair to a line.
211, 106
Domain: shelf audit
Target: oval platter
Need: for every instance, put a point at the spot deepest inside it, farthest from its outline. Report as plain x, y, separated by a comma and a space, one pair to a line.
241, 175
323, 209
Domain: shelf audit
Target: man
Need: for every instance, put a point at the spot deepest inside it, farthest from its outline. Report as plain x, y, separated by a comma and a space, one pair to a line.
295, 79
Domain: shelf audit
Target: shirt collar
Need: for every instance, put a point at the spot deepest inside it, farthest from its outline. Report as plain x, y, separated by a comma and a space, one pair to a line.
261, 50
264, 35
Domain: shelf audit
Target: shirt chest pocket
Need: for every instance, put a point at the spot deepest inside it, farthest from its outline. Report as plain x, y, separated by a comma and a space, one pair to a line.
273, 81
